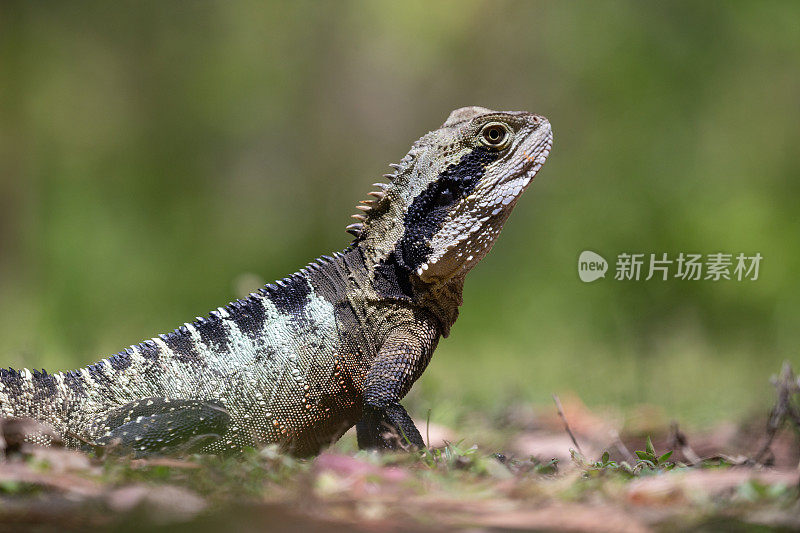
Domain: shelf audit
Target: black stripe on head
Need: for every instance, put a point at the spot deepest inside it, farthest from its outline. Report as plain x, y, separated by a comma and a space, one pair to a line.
428, 211
249, 316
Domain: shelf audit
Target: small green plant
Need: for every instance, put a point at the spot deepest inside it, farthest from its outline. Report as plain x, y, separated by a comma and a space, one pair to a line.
649, 459
451, 456
605, 461
602, 466
648, 463
545, 468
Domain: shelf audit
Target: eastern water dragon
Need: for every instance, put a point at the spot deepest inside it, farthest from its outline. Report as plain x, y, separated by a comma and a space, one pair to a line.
336, 344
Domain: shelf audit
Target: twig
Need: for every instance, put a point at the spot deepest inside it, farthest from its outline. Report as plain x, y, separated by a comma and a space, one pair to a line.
678, 440
784, 409
428, 430
566, 424
101, 450
623, 449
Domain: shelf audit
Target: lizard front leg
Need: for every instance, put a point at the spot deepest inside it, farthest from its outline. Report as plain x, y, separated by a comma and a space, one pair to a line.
385, 424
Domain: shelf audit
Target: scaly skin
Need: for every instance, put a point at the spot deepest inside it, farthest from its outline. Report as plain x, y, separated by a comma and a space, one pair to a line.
337, 343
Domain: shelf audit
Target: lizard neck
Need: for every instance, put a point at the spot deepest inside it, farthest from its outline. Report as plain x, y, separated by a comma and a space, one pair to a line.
443, 301
391, 280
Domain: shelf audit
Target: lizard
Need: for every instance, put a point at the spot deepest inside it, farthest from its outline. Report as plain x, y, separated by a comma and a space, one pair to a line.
338, 343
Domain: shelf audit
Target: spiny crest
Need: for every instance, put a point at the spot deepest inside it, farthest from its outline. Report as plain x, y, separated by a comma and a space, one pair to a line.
366, 207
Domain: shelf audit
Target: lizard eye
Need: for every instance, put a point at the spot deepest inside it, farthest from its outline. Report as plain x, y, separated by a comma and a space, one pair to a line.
495, 135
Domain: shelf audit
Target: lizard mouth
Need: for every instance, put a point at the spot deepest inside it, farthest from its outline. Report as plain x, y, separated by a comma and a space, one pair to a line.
528, 159
537, 161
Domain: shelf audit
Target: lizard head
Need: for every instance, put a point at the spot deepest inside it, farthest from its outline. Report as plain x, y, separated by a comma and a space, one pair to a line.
451, 194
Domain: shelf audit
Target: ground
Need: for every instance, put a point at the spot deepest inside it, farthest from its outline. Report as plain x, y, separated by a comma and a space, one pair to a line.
561, 467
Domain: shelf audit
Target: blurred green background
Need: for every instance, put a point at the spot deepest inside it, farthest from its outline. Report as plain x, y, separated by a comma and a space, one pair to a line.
158, 158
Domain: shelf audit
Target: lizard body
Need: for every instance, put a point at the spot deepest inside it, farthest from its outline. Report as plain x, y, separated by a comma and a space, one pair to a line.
338, 343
